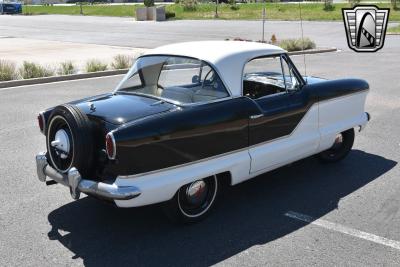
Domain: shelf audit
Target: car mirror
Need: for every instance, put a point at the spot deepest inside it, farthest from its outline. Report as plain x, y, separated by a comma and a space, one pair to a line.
195, 79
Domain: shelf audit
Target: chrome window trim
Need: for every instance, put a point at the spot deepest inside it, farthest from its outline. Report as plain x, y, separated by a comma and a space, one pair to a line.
283, 72
287, 59
250, 59
296, 73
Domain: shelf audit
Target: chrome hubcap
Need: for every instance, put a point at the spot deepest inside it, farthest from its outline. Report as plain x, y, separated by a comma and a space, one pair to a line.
196, 198
338, 141
61, 144
196, 192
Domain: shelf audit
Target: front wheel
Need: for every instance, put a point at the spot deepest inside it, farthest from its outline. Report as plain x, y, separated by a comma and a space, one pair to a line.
193, 201
340, 148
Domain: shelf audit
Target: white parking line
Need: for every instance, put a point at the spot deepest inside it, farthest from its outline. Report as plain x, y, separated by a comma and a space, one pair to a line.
343, 229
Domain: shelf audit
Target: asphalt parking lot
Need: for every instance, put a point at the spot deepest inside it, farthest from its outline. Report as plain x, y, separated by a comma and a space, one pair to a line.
126, 32
346, 214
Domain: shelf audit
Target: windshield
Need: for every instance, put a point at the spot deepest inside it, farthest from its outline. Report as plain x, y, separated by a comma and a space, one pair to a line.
179, 79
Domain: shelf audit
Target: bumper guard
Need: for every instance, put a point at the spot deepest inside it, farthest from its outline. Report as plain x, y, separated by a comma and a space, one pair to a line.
77, 184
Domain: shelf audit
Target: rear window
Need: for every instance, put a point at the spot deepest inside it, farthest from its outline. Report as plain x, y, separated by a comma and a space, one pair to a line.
179, 79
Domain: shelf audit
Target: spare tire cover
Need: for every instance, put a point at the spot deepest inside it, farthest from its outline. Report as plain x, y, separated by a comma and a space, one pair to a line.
69, 140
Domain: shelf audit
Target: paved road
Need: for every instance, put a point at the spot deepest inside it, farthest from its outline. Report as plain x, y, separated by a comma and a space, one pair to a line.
126, 32
42, 226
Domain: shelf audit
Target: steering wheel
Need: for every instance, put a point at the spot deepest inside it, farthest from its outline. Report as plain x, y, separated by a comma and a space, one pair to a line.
205, 77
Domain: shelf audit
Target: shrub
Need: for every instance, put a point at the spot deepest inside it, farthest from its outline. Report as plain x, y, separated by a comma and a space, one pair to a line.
274, 40
232, 5
86, 2
7, 71
66, 68
354, 2
121, 62
189, 5
169, 14
95, 65
297, 44
148, 3
30, 70
328, 5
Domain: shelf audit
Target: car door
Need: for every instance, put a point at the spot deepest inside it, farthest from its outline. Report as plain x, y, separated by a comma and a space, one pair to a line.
286, 129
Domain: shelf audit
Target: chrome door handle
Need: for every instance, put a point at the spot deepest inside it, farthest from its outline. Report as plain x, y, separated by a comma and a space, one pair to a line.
253, 117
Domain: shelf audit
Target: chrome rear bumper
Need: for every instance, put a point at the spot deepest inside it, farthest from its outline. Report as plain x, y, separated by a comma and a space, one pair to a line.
77, 184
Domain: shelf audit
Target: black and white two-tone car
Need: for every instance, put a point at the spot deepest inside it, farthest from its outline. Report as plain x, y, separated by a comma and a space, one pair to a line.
187, 116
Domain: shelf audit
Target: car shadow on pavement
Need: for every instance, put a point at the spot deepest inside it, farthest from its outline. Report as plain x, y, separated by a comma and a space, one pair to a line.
248, 214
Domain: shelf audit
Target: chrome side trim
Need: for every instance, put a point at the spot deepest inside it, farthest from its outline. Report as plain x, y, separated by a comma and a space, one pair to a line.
77, 184
253, 117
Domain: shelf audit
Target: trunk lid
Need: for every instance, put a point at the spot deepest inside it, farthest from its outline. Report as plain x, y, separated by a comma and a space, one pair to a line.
121, 108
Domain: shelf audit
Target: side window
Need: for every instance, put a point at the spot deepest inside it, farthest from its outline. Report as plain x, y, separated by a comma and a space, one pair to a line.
292, 84
205, 73
178, 72
263, 77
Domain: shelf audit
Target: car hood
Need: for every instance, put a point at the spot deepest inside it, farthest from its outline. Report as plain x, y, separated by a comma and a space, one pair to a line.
121, 108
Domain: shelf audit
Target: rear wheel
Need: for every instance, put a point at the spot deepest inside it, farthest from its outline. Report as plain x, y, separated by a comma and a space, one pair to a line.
193, 201
340, 148
69, 142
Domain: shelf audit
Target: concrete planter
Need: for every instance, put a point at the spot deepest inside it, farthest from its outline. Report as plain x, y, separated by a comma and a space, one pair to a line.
141, 14
158, 13
151, 13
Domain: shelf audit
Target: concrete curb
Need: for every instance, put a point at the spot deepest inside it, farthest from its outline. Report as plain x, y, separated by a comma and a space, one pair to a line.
61, 78
52, 79
393, 33
313, 51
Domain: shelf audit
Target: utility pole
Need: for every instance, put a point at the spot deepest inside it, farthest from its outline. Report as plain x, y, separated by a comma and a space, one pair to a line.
80, 4
216, 8
263, 23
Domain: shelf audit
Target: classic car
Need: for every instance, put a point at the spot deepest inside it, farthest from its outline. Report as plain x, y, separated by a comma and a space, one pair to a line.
189, 117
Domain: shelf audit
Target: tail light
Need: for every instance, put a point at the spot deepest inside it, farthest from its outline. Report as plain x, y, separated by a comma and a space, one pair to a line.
110, 146
41, 122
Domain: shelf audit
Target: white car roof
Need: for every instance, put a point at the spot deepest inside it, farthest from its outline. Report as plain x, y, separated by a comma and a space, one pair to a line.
228, 57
